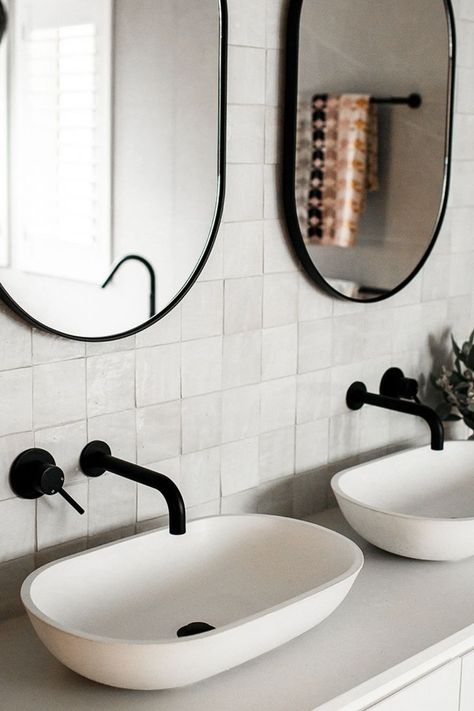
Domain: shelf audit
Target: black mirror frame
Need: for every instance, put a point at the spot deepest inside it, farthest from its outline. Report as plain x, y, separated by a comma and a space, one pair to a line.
220, 200
289, 154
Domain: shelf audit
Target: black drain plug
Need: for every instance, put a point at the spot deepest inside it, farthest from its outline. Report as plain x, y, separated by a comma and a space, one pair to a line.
194, 628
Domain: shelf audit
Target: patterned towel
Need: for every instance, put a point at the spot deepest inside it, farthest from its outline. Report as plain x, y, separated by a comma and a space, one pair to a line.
344, 166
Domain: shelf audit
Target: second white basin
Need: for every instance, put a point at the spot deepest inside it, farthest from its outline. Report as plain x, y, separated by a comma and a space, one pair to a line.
112, 614
417, 503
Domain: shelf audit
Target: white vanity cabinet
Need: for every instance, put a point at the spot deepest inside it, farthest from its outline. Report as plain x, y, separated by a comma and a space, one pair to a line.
438, 691
467, 683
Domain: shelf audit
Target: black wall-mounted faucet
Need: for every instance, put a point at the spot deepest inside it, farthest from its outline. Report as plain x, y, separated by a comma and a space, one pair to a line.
96, 459
34, 474
358, 396
394, 383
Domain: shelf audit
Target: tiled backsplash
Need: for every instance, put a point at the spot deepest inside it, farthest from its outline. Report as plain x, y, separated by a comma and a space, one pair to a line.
239, 393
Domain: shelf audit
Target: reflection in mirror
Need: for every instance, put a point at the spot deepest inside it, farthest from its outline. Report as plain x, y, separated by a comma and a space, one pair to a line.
367, 138
113, 185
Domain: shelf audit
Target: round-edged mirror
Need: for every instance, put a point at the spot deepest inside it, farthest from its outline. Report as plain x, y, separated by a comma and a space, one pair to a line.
112, 167
368, 131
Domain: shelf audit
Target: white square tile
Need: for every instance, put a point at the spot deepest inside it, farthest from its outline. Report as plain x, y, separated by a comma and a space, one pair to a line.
275, 23
243, 249
313, 303
273, 124
16, 399
240, 413
348, 338
315, 345
280, 298
276, 498
465, 10
17, 528
278, 256
48, 348
247, 23
313, 400
200, 477
239, 466
10, 447
213, 269
244, 195
65, 443
201, 366
279, 352
110, 383
462, 220
242, 359
59, 393
158, 374
58, 522
166, 330
312, 446
243, 304
272, 209
118, 430
15, 344
159, 432
277, 454
104, 347
278, 404
203, 311
274, 77
112, 503
246, 134
310, 493
201, 422
243, 502
344, 437
246, 75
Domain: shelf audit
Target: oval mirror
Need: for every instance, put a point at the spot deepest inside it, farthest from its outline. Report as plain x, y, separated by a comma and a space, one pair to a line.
368, 121
112, 160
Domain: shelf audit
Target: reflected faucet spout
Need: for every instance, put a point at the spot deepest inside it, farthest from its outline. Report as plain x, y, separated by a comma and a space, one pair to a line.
151, 271
358, 396
96, 459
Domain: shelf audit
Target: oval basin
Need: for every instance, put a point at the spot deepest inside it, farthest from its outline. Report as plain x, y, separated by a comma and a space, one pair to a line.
417, 503
113, 613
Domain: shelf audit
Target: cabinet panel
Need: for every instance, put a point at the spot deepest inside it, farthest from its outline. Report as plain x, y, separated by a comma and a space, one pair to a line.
438, 691
467, 683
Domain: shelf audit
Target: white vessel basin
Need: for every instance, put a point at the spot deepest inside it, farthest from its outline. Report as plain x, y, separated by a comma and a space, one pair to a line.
112, 614
417, 503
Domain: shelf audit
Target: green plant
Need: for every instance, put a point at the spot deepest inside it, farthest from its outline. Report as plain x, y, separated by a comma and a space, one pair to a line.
457, 385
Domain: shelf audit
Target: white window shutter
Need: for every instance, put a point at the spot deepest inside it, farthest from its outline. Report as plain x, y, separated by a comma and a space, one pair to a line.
64, 136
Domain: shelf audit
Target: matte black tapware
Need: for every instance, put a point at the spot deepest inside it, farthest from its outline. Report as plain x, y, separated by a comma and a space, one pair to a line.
96, 459
394, 383
358, 396
34, 474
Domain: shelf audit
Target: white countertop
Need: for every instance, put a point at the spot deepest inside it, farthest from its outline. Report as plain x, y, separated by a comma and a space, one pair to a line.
397, 609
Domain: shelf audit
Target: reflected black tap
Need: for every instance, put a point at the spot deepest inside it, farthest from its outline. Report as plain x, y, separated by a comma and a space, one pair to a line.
151, 272
358, 396
96, 459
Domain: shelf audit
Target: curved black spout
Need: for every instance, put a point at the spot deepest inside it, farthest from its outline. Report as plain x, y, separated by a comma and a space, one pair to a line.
151, 271
96, 459
357, 397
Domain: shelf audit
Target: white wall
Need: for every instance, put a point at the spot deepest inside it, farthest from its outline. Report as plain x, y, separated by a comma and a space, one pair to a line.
239, 393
